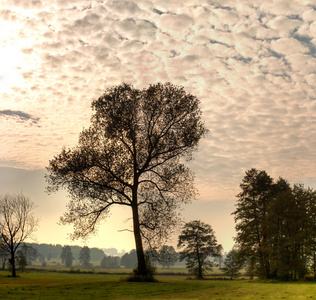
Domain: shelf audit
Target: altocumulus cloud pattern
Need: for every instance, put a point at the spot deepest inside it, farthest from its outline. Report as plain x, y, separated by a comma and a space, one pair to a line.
251, 63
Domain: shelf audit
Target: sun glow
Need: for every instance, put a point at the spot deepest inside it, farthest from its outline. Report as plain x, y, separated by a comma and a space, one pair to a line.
12, 60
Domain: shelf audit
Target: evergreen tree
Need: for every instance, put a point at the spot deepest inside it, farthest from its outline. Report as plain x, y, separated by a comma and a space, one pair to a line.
276, 226
251, 217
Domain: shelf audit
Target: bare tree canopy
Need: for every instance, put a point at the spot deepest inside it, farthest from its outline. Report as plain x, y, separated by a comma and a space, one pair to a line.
17, 223
130, 155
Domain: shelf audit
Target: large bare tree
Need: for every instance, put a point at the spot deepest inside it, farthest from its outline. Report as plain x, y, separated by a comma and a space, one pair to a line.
131, 156
17, 223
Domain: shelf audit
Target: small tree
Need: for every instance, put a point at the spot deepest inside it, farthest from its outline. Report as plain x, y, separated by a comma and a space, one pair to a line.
66, 256
218, 261
29, 253
41, 258
167, 256
129, 260
21, 260
84, 257
232, 264
49, 257
17, 223
4, 256
198, 242
250, 266
110, 262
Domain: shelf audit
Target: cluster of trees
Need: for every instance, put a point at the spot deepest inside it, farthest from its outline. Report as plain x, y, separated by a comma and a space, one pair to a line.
166, 256
197, 240
31, 252
276, 227
197, 244
110, 262
53, 252
67, 256
132, 155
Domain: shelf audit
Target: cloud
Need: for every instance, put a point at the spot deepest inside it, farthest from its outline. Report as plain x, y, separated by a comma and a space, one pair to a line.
287, 46
284, 25
252, 65
140, 30
125, 8
284, 7
175, 23
21, 116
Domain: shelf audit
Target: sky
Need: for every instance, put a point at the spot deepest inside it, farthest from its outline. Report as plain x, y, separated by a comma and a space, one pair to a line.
252, 64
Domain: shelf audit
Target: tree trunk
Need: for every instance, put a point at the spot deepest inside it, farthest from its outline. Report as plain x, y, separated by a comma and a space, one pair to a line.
142, 269
3, 263
12, 261
267, 266
200, 274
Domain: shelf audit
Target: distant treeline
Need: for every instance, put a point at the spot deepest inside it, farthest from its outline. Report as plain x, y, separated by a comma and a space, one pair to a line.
75, 256
53, 252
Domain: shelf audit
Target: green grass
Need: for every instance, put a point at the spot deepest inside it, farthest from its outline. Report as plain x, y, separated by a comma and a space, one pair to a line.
37, 285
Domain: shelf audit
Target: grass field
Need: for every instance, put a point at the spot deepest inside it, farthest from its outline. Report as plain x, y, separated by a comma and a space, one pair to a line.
37, 285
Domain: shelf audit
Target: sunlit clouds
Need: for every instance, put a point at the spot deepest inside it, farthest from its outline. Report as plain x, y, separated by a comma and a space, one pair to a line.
251, 63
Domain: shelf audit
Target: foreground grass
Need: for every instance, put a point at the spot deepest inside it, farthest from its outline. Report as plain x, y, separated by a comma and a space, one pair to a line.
88, 286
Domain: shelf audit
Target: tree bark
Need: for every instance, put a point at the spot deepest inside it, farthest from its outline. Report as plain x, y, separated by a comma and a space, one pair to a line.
12, 261
141, 263
200, 274
3, 264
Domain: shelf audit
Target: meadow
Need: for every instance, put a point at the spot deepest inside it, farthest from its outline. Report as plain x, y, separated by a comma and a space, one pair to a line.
55, 285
